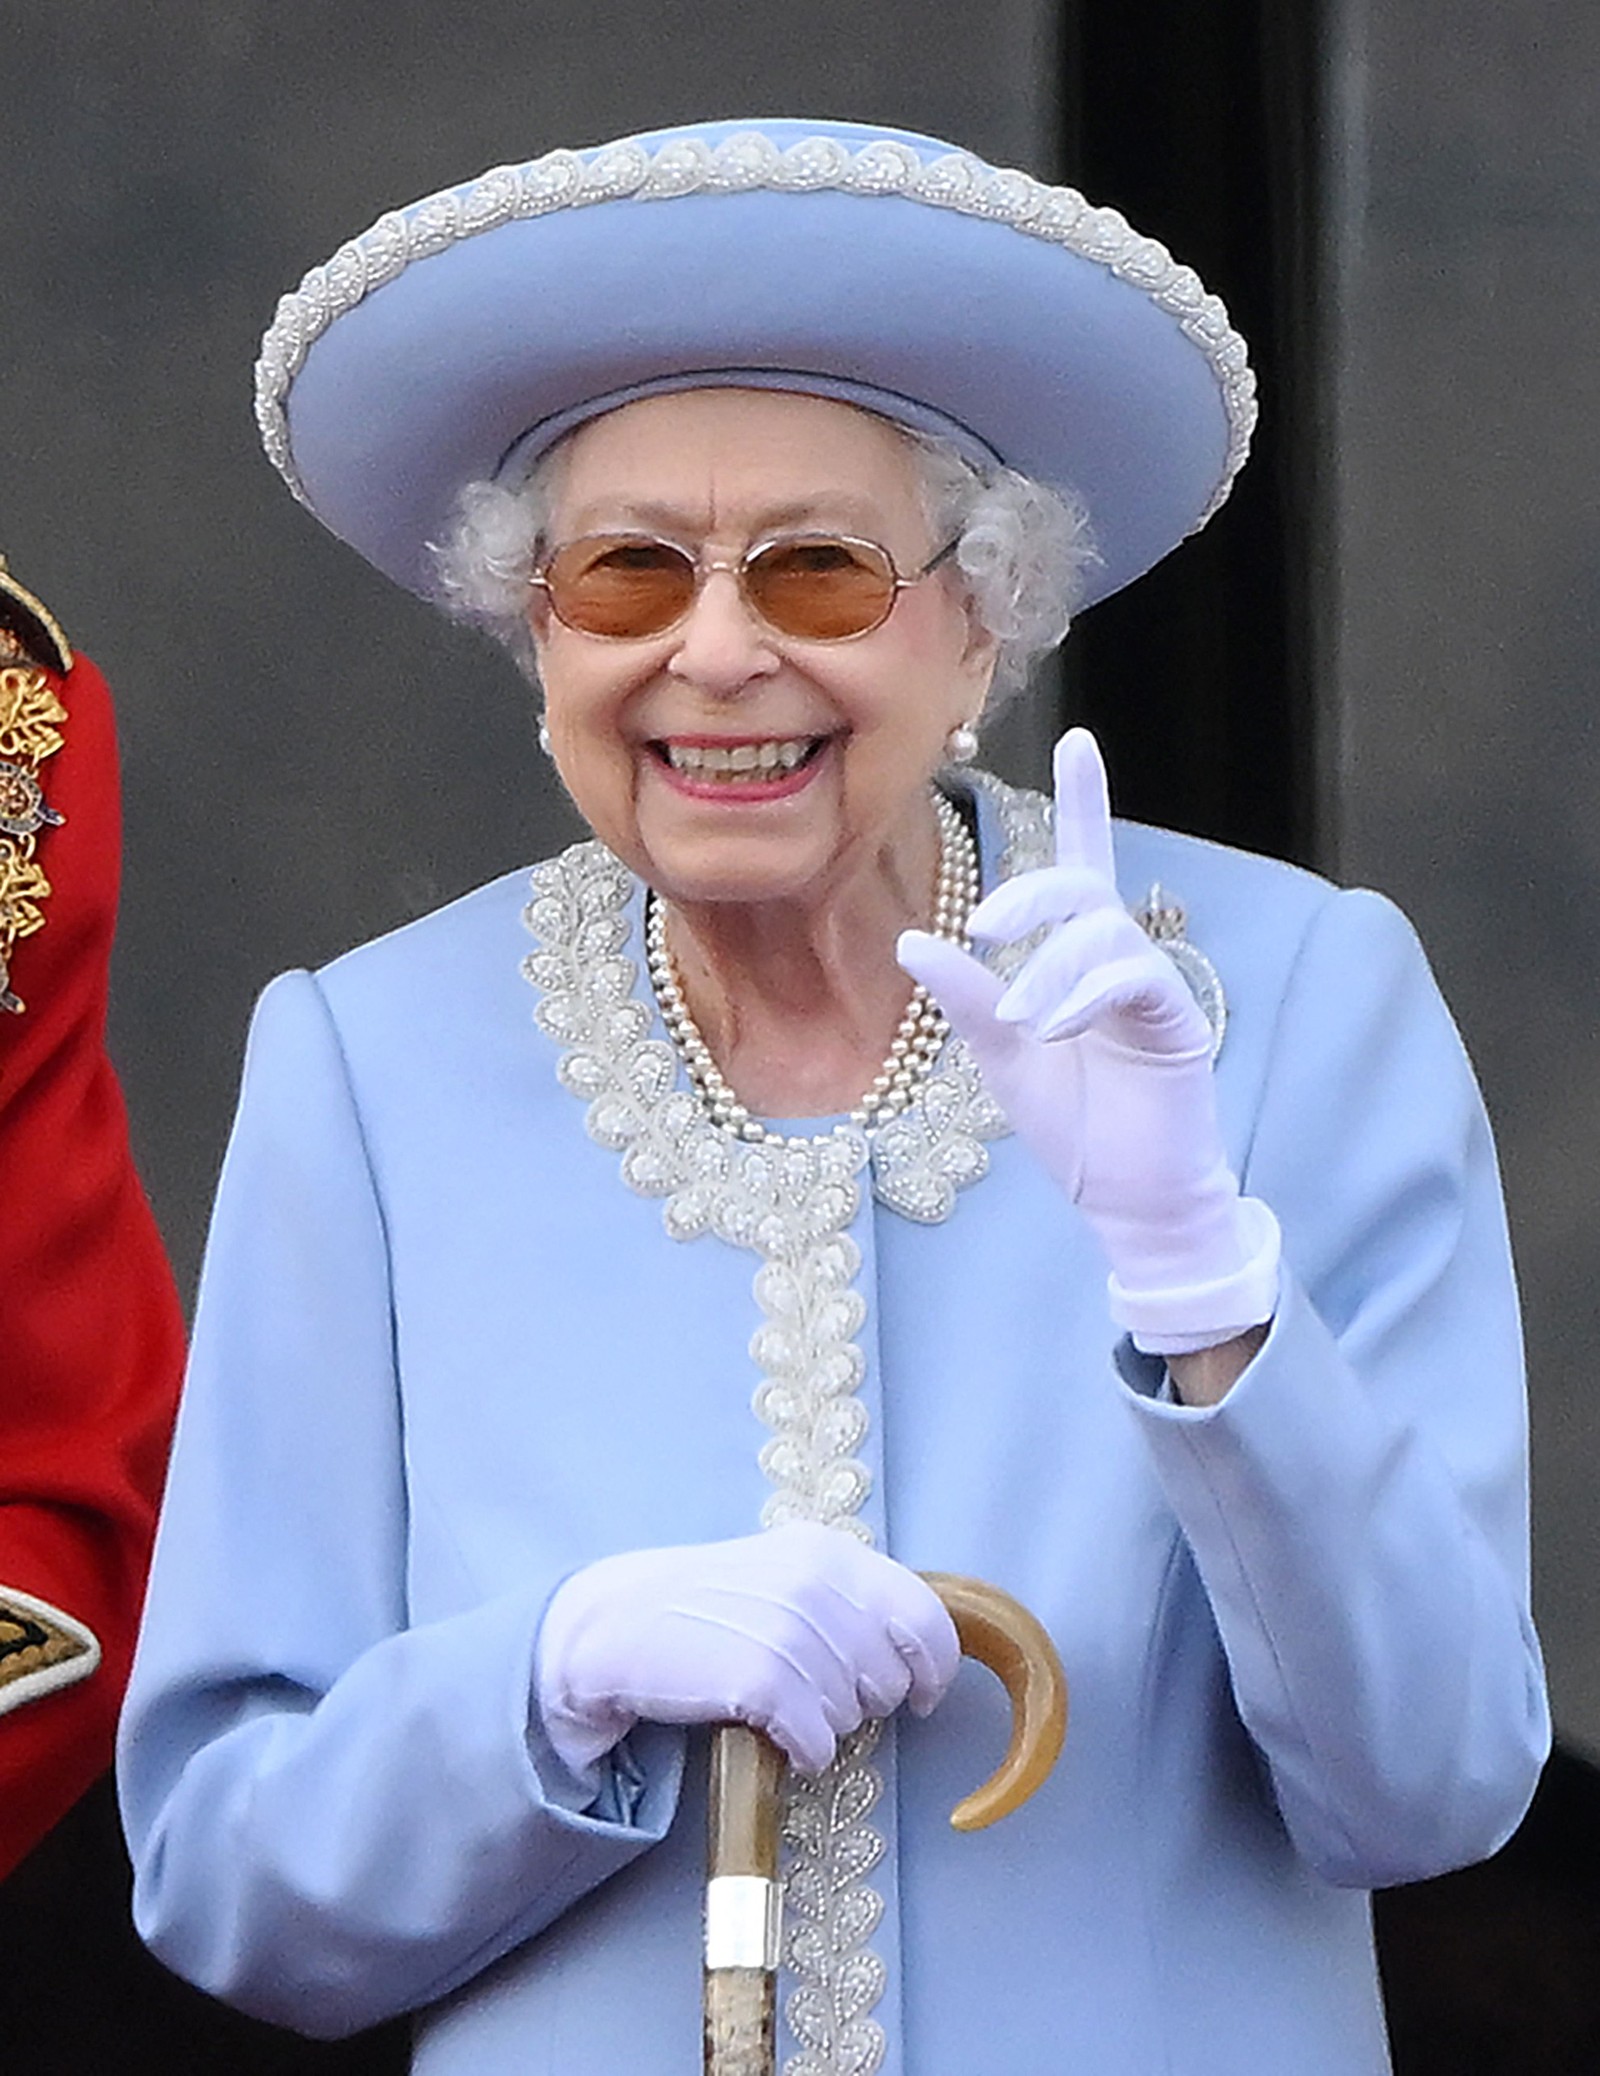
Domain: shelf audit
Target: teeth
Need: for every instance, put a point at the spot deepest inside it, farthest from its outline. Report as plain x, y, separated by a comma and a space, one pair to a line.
740, 760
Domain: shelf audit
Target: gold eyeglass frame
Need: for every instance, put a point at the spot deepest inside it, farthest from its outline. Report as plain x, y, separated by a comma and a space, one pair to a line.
704, 566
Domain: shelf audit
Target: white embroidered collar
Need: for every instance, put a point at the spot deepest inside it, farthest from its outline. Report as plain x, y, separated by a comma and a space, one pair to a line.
594, 1001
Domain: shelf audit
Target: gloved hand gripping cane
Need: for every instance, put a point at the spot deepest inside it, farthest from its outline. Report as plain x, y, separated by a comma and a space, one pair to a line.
744, 1900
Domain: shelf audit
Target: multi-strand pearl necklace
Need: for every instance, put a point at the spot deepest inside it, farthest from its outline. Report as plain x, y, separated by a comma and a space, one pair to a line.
917, 1041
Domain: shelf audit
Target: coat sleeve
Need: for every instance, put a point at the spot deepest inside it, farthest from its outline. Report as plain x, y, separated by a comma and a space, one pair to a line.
1357, 1505
333, 1816
90, 1331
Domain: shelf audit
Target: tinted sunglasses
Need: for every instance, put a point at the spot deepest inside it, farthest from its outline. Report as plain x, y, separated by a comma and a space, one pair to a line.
815, 587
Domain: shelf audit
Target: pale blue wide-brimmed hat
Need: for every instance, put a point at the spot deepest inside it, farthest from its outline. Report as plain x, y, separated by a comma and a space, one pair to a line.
456, 339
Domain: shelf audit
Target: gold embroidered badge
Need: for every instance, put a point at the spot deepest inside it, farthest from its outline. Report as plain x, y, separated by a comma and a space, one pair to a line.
22, 887
32, 647
29, 713
33, 1642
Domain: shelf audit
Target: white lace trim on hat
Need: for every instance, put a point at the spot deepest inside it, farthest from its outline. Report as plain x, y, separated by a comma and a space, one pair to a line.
742, 163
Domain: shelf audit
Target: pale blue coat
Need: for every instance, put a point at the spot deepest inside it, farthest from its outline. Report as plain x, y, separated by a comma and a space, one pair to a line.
446, 1353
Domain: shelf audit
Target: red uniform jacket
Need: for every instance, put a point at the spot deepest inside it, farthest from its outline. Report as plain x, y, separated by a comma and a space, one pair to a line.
90, 1332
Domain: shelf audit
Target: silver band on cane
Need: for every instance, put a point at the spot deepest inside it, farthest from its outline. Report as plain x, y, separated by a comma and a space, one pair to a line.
744, 1916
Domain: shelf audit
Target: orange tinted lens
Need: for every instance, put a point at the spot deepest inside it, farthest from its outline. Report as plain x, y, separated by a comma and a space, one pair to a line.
820, 589
620, 585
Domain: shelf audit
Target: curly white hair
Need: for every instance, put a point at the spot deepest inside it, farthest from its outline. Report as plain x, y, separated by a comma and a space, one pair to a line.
1021, 548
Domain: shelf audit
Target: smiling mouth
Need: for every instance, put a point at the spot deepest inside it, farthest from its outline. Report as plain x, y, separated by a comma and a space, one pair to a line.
741, 763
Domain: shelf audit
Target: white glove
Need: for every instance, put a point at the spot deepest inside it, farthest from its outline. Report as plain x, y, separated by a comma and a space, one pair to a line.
1101, 1059
802, 1631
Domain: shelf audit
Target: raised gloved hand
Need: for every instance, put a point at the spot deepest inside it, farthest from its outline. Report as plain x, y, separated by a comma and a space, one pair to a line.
1101, 1059
802, 1631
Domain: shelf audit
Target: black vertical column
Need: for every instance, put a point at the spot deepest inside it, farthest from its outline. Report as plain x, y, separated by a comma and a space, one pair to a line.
1200, 123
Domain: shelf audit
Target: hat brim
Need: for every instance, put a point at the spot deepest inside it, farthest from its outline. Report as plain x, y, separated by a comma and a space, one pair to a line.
1114, 376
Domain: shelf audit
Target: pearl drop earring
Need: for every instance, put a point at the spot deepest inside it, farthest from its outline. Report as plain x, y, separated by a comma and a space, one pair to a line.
961, 744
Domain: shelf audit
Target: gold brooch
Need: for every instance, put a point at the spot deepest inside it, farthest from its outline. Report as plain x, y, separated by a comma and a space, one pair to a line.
32, 649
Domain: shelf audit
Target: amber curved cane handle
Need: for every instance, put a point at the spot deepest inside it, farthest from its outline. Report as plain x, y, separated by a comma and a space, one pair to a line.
743, 1896
1015, 1645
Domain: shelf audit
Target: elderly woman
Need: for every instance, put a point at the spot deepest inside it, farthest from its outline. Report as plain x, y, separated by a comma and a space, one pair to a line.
597, 1338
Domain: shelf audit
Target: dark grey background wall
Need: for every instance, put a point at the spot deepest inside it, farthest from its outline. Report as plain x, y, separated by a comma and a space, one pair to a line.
311, 757
1461, 698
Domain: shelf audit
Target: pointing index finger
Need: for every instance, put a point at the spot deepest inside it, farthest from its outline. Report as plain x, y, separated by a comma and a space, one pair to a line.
1083, 805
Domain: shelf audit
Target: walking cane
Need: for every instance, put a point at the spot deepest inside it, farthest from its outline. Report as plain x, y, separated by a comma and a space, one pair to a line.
744, 1902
